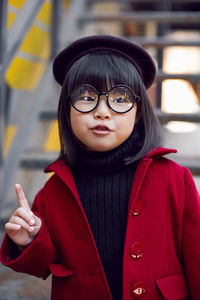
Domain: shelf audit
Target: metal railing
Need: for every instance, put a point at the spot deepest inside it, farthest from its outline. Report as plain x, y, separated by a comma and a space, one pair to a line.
77, 17
63, 29
10, 41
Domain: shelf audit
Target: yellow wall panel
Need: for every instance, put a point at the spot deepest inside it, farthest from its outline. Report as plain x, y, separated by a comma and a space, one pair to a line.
37, 42
10, 19
66, 4
16, 3
10, 132
44, 14
24, 74
52, 143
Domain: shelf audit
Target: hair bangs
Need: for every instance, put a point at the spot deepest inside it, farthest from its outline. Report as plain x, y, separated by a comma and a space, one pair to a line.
102, 70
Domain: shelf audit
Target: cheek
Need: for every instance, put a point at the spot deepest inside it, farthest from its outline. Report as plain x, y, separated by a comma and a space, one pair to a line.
127, 123
126, 131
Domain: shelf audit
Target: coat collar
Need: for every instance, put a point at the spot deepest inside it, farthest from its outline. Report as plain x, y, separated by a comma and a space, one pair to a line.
158, 152
59, 165
63, 171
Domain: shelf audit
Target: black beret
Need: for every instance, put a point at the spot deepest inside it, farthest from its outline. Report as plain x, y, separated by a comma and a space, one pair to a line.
133, 52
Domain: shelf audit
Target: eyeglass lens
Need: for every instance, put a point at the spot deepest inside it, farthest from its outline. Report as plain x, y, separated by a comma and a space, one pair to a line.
85, 98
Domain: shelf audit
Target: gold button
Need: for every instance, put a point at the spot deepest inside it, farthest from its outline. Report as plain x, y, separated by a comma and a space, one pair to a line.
137, 290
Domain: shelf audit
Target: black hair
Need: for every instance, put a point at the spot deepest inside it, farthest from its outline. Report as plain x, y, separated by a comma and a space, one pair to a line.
103, 69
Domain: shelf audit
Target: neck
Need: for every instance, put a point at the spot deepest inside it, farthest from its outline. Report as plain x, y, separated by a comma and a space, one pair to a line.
108, 161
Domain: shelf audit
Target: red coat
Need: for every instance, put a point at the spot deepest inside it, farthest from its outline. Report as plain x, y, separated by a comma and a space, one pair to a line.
162, 244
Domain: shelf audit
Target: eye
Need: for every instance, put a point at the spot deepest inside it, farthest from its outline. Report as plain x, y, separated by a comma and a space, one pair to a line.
119, 99
120, 95
87, 98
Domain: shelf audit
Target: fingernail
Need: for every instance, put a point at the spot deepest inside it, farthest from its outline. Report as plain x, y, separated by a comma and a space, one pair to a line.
32, 221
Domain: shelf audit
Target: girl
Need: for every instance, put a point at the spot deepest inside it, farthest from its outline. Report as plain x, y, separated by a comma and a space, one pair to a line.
117, 220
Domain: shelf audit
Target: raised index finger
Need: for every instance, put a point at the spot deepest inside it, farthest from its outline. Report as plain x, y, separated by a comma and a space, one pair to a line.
21, 197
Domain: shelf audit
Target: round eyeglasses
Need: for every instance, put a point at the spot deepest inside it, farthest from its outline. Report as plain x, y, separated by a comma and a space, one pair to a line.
120, 98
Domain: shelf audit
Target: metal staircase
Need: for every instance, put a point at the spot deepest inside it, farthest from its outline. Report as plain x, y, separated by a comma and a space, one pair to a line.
28, 118
84, 18
33, 38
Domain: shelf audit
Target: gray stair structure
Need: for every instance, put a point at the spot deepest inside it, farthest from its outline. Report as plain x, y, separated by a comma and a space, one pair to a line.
34, 159
39, 160
141, 17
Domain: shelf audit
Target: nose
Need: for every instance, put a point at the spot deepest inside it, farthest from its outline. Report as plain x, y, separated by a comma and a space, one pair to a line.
102, 111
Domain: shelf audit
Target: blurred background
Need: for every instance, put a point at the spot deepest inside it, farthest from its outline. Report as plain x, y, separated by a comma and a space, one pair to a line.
32, 32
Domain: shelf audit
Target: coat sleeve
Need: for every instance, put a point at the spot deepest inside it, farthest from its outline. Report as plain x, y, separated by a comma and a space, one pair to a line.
191, 236
37, 257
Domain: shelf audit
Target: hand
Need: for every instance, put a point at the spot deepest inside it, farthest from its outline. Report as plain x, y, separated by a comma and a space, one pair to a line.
23, 225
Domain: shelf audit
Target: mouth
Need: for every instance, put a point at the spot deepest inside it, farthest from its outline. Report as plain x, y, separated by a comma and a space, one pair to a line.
101, 129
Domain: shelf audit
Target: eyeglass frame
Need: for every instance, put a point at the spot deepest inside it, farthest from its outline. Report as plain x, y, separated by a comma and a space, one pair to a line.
99, 94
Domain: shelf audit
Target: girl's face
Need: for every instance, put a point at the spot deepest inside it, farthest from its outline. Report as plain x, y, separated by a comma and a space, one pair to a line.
102, 129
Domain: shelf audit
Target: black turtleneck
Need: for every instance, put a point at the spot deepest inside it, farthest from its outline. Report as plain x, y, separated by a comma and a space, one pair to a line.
104, 183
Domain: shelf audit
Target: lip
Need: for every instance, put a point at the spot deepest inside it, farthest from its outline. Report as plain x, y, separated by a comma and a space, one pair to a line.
101, 129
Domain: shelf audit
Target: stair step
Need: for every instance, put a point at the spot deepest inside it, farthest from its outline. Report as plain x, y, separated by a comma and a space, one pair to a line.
154, 1
37, 161
193, 164
189, 77
186, 117
48, 113
163, 42
142, 17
